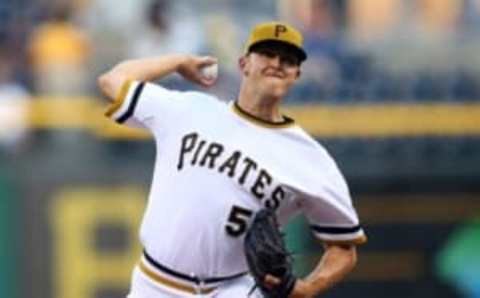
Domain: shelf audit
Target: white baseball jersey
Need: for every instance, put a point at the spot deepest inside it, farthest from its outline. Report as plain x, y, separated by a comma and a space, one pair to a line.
216, 165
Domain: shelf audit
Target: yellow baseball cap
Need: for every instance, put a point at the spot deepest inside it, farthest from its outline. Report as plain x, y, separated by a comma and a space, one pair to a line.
277, 32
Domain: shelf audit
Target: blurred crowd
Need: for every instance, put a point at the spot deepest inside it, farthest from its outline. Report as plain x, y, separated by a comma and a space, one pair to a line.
359, 50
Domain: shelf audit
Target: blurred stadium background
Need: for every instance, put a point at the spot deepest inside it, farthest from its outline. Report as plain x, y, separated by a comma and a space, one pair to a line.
392, 89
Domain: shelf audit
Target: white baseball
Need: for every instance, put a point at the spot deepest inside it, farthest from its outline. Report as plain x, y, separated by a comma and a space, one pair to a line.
210, 71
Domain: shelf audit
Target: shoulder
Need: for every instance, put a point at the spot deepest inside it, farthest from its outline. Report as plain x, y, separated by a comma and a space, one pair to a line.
205, 98
314, 147
313, 152
146, 100
182, 96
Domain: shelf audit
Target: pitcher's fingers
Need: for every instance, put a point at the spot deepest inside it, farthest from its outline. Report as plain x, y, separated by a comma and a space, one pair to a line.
208, 60
271, 281
208, 82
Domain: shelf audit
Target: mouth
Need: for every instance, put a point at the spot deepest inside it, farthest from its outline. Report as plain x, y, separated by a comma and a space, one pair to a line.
274, 75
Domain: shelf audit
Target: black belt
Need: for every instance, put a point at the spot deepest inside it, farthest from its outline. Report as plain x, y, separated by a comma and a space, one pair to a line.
193, 279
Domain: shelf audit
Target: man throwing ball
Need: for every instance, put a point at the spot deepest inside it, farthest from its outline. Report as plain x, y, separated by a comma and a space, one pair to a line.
219, 164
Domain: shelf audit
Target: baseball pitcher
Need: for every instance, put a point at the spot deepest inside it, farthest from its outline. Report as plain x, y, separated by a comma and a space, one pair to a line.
224, 170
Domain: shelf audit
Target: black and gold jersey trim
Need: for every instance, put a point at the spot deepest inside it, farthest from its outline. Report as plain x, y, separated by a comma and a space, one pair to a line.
117, 103
340, 231
287, 121
186, 277
133, 104
172, 283
336, 230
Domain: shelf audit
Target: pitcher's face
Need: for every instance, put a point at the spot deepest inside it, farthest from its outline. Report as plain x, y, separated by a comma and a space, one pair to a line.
272, 70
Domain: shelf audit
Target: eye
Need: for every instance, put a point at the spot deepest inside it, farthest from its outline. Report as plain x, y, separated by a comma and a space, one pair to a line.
268, 53
289, 60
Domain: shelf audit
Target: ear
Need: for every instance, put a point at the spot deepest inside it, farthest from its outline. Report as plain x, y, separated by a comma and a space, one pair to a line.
299, 73
242, 63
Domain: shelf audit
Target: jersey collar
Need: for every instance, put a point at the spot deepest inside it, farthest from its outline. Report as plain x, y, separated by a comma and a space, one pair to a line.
286, 122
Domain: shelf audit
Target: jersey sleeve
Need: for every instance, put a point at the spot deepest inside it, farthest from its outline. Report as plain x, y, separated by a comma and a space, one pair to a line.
330, 211
146, 105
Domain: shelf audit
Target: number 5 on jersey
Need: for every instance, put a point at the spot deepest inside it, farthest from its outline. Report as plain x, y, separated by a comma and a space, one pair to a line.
238, 221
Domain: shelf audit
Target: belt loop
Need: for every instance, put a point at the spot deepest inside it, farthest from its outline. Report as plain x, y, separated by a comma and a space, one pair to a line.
198, 289
201, 284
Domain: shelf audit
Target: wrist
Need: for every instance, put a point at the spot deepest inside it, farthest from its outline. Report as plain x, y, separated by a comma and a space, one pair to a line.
310, 289
304, 288
181, 61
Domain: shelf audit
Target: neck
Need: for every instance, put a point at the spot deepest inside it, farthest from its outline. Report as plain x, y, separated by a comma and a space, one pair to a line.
265, 108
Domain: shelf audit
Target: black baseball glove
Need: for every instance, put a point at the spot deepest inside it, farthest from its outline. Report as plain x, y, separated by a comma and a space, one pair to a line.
266, 253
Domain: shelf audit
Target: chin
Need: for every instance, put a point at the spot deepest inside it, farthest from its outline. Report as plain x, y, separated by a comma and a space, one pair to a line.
279, 93
274, 90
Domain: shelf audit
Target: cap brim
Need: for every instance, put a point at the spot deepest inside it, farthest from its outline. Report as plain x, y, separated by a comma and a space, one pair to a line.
299, 52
